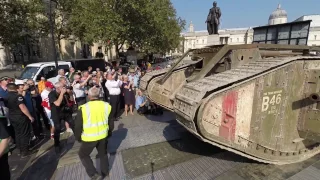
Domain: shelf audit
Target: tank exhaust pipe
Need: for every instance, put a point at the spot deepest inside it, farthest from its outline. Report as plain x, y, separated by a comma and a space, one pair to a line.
315, 97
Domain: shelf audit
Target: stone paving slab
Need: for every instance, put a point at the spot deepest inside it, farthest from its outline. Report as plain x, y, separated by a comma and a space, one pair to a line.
145, 159
132, 131
310, 173
252, 170
203, 168
127, 138
76, 171
139, 134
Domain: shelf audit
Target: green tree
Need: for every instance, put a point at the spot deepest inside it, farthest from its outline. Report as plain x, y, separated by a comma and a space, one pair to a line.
151, 25
17, 16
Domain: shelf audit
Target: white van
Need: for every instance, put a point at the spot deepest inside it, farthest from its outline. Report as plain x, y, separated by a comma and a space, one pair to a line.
42, 69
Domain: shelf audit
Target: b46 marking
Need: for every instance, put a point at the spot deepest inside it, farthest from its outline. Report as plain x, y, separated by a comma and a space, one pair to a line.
270, 100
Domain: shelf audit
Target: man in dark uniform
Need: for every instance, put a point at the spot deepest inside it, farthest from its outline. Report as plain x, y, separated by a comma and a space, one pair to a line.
20, 118
4, 150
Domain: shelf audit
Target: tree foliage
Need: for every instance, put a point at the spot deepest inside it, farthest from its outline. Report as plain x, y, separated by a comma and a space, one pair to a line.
150, 25
19, 18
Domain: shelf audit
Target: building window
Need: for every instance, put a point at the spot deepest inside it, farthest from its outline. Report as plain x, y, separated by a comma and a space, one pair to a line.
315, 37
197, 41
203, 41
231, 40
237, 39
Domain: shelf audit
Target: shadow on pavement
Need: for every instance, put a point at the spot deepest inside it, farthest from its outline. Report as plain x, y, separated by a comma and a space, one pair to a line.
45, 162
164, 118
114, 142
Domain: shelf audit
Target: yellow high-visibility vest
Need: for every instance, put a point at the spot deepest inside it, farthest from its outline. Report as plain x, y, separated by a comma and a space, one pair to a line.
95, 120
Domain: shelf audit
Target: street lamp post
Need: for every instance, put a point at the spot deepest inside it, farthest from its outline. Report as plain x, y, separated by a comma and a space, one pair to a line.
50, 11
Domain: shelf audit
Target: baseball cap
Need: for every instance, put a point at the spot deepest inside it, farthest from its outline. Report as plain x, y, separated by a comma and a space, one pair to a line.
4, 78
49, 84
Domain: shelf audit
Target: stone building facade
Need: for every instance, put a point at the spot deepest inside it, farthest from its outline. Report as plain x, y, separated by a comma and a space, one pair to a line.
198, 39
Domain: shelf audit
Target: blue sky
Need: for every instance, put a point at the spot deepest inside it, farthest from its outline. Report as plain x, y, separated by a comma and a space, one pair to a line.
242, 13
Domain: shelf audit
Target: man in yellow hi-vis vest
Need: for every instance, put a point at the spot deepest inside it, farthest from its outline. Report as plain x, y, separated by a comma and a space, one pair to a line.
91, 129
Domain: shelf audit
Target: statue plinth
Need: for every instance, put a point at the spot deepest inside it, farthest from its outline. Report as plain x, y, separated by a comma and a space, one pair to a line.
213, 39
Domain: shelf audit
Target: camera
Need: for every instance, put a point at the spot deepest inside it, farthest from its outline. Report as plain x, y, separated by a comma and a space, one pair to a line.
32, 88
69, 88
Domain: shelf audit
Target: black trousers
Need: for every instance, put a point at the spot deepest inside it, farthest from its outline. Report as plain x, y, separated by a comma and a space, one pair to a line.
10, 129
44, 117
143, 110
58, 126
21, 125
84, 153
37, 113
121, 101
4, 167
81, 100
115, 104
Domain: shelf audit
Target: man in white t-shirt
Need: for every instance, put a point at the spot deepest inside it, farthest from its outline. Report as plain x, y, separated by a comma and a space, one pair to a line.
79, 89
61, 73
46, 105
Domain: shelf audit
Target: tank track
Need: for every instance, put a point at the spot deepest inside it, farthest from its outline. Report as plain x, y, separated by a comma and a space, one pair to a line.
194, 94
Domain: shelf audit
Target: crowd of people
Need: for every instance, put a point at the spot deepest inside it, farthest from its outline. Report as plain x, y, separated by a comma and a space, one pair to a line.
24, 105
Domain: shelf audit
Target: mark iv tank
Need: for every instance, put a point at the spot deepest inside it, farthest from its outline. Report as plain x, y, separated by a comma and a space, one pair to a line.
261, 101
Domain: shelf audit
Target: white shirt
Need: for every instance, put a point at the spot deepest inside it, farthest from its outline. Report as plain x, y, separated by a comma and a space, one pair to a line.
45, 98
113, 87
79, 91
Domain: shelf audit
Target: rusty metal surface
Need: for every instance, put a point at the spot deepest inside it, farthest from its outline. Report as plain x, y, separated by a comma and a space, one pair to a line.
190, 101
226, 48
223, 102
189, 97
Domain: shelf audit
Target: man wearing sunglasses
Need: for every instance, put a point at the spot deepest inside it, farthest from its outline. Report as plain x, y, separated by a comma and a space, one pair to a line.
3, 87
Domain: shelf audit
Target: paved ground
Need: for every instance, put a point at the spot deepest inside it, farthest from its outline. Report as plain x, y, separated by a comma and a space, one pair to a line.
157, 147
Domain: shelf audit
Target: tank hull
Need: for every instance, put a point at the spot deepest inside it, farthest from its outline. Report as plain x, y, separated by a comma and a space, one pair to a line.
259, 109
